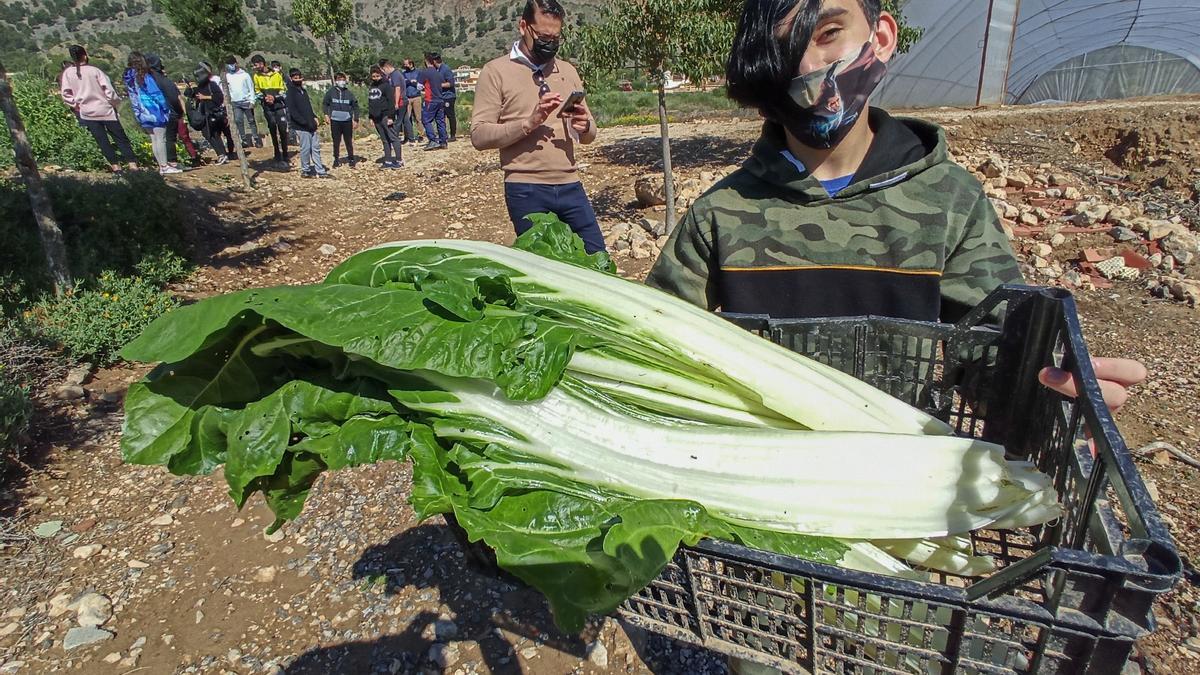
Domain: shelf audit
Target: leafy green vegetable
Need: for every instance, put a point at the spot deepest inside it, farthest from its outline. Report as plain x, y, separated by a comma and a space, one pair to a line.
581, 425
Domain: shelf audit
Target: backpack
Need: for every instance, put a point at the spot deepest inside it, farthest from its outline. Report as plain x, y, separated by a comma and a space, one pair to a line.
195, 116
150, 107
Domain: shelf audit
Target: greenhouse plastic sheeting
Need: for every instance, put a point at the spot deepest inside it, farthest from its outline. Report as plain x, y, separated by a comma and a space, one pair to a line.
1005, 51
1121, 71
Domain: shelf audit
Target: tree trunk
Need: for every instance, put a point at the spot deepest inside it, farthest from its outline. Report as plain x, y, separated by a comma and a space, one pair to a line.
39, 201
329, 57
237, 140
668, 176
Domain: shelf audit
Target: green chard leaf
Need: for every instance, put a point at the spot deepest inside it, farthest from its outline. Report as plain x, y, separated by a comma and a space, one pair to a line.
392, 327
551, 238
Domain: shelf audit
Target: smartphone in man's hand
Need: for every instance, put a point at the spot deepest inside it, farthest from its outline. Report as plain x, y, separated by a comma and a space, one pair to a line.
568, 107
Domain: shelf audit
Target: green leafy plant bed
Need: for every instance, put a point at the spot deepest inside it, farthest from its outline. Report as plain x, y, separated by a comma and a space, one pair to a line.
582, 425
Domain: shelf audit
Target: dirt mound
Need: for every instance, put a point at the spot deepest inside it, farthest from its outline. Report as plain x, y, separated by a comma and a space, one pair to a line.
1155, 144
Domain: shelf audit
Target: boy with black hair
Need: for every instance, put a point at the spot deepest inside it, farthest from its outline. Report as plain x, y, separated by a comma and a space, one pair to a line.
381, 108
433, 114
396, 79
241, 97
842, 209
302, 118
270, 88
341, 114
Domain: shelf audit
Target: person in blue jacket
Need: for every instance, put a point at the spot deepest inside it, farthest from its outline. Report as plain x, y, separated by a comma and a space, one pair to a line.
449, 96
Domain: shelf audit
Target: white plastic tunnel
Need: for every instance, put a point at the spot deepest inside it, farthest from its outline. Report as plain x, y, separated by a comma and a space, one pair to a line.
979, 52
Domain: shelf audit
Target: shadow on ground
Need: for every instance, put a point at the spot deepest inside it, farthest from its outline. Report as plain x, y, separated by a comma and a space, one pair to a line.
699, 152
490, 611
489, 607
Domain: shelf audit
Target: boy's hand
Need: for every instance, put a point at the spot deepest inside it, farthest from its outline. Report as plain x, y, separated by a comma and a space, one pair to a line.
327, 119
270, 99
1115, 376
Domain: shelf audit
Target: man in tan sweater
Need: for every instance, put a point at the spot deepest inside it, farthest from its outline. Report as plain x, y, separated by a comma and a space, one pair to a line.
519, 111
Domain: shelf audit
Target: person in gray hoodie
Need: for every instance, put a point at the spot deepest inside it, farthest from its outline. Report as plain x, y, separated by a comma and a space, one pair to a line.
341, 113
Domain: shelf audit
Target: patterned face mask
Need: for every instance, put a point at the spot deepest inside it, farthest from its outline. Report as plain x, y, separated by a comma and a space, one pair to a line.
829, 100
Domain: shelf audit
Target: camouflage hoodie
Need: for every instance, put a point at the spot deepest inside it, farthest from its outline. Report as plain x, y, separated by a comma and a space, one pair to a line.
912, 236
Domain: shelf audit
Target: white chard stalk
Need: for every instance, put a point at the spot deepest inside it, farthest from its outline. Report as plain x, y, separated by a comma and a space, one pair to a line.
852, 485
792, 386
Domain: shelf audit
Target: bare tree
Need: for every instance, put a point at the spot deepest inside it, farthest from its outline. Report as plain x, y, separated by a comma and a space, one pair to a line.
39, 201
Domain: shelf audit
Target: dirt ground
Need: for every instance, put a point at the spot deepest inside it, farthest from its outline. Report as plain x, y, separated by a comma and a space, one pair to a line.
356, 585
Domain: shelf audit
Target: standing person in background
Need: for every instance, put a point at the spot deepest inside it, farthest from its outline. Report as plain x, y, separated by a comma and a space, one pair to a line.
241, 95
89, 94
269, 88
396, 79
302, 118
183, 131
277, 67
381, 108
449, 96
210, 106
150, 107
341, 114
517, 110
412, 102
433, 113
62, 68
175, 100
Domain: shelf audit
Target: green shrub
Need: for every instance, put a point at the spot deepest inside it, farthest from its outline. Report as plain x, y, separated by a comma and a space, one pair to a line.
162, 267
619, 108
109, 223
15, 411
93, 324
635, 120
55, 135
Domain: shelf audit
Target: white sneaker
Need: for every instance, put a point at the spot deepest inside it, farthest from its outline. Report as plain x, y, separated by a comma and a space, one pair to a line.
221, 159
168, 170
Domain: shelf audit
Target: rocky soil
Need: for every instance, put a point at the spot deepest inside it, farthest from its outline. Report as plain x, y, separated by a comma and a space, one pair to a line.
109, 568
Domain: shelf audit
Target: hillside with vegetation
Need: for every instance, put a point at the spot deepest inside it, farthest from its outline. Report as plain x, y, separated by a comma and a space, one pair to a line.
34, 34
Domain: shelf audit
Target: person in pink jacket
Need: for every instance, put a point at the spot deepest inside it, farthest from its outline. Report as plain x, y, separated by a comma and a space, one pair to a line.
90, 94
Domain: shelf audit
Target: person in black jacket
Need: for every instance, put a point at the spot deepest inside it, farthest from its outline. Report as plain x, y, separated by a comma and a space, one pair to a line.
302, 118
209, 101
341, 114
171, 93
381, 108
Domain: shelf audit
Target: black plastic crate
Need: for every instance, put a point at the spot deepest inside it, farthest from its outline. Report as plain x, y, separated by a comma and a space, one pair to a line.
1069, 597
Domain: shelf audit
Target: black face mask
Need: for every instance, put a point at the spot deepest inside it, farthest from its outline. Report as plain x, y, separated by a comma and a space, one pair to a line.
544, 50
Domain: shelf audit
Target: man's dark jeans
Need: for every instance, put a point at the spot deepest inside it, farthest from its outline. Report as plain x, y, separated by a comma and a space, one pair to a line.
569, 202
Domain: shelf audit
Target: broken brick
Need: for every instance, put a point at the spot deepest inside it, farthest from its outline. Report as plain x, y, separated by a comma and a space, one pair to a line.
1135, 260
